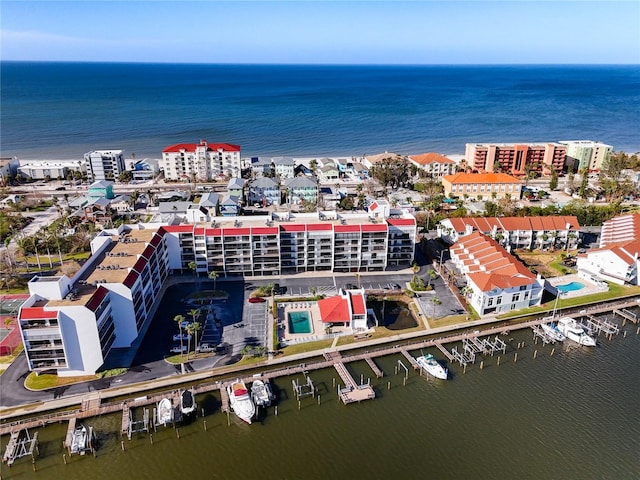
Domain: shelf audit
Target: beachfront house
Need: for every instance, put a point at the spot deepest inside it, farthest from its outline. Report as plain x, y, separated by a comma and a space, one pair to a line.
264, 191
283, 167
434, 164
301, 190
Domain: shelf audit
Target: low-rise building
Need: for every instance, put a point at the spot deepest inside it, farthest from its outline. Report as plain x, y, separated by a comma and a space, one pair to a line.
283, 167
301, 190
264, 191
552, 232
348, 309
481, 186
433, 164
496, 280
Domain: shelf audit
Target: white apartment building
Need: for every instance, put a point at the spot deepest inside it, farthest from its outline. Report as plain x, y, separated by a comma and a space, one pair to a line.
587, 154
497, 281
201, 162
105, 164
41, 169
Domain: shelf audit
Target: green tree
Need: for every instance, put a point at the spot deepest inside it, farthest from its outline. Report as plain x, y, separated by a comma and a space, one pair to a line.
213, 276
192, 266
435, 301
583, 191
432, 275
553, 183
179, 319
194, 329
195, 313
125, 177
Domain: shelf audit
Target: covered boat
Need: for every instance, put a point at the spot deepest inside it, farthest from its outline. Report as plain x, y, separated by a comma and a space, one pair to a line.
261, 393
165, 412
80, 440
187, 402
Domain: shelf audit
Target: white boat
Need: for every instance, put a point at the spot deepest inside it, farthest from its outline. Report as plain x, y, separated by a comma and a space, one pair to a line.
261, 393
431, 365
187, 402
551, 329
80, 440
574, 331
240, 401
165, 412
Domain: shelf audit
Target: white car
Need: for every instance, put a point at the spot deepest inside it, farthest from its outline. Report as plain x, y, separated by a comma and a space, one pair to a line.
178, 349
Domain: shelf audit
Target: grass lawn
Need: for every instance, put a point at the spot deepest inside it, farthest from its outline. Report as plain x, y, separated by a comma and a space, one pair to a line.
449, 320
178, 359
615, 291
46, 381
306, 347
545, 263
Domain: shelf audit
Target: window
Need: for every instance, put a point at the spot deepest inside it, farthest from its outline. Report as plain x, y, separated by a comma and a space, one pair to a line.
490, 302
499, 301
515, 297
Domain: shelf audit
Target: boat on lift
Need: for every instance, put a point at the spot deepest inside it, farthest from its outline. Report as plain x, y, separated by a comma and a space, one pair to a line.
429, 363
574, 331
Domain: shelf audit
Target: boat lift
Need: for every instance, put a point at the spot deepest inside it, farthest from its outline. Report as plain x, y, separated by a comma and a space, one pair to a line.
303, 390
20, 446
140, 425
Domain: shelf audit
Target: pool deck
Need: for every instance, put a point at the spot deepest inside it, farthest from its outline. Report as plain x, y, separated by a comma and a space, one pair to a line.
589, 287
317, 327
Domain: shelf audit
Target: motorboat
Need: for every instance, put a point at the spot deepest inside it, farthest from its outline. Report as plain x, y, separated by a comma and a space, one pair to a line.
80, 440
574, 331
240, 401
261, 393
551, 329
431, 365
165, 412
187, 402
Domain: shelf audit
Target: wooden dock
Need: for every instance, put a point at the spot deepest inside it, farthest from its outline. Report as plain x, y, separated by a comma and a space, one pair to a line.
224, 398
445, 352
379, 373
409, 357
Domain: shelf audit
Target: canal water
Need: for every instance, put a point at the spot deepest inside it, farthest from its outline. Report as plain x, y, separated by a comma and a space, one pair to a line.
570, 415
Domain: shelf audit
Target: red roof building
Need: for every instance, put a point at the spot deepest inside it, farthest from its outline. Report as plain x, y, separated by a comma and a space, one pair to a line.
192, 162
348, 309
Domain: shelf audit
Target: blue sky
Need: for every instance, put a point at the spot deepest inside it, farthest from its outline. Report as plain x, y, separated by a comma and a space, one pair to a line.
333, 32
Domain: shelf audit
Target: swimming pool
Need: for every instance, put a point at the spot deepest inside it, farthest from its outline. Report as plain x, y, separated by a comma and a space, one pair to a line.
299, 322
570, 287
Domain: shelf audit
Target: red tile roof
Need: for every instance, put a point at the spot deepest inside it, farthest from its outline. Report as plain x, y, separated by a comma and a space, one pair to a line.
430, 157
488, 265
130, 280
357, 303
230, 232
347, 228
334, 310
487, 224
464, 178
293, 228
398, 222
191, 147
178, 228
378, 227
319, 226
264, 230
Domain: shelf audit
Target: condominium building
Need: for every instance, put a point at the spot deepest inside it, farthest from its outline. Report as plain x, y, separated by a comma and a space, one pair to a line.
288, 243
587, 154
105, 164
516, 232
434, 164
516, 159
481, 186
201, 162
70, 325
496, 280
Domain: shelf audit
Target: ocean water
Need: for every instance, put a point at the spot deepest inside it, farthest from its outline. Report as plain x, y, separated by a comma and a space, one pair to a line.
62, 110
569, 413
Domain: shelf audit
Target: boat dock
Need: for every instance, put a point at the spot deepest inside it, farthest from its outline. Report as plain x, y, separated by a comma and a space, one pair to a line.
626, 315
444, 351
595, 325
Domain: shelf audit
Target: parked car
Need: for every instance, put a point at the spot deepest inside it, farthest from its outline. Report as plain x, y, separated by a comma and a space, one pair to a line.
185, 336
393, 286
178, 349
350, 286
276, 289
205, 348
256, 300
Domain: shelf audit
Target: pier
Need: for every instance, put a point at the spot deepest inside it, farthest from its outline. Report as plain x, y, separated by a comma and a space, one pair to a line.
539, 333
626, 315
595, 325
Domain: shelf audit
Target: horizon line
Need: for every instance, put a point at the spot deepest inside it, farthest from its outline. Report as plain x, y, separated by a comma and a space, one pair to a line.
290, 64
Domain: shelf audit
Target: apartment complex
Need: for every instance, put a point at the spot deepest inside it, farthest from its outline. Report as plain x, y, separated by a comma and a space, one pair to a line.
516, 159
288, 243
481, 186
496, 280
105, 164
71, 324
201, 162
434, 164
587, 155
541, 233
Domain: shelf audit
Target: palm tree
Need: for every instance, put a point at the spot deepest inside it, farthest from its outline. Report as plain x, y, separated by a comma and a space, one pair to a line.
435, 301
179, 319
432, 275
195, 313
192, 266
213, 276
193, 329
